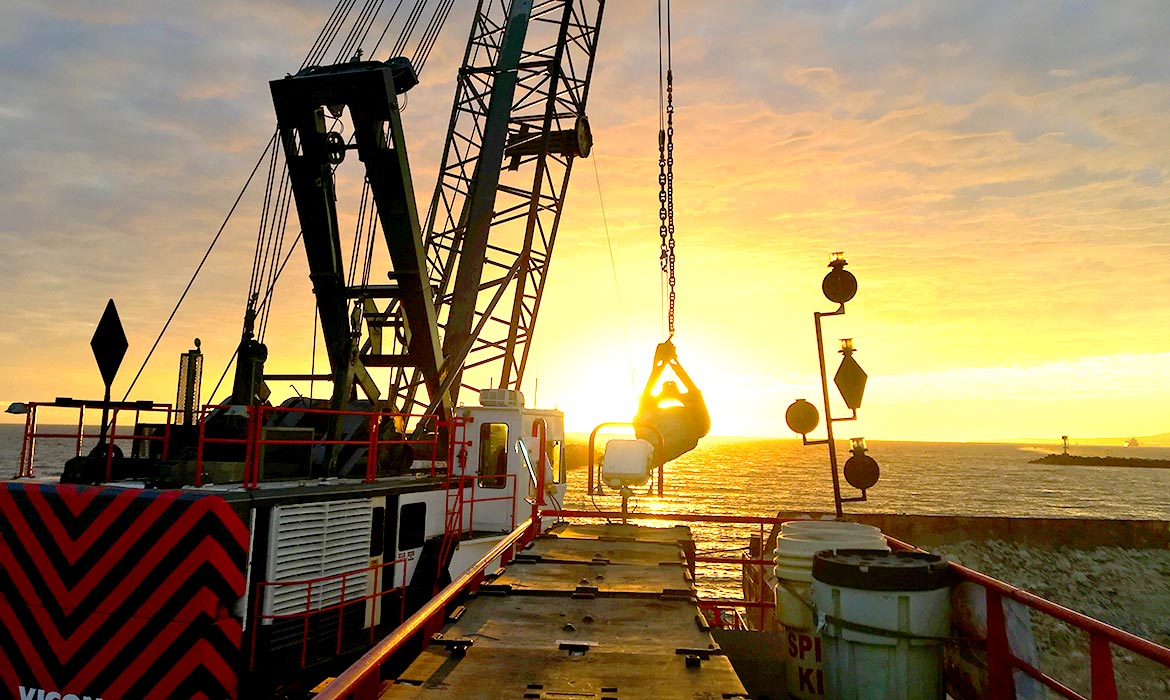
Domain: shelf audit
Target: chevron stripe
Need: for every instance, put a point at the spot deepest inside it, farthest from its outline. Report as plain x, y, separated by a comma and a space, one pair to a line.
122, 593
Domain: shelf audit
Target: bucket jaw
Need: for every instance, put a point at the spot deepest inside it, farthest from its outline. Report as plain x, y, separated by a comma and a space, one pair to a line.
680, 416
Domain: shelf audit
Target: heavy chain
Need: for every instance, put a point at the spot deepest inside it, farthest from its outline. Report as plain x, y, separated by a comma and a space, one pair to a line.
670, 197
666, 170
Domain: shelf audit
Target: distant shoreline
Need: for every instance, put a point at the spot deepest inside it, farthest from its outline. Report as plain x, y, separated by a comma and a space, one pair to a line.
1083, 461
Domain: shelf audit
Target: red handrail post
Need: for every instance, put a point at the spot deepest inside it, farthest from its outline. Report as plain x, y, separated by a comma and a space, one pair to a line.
376, 612
166, 448
372, 449
25, 470
1101, 658
199, 448
254, 447
367, 688
110, 448
80, 431
1001, 686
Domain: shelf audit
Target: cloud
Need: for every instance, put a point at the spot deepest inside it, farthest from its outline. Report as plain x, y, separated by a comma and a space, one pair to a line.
996, 173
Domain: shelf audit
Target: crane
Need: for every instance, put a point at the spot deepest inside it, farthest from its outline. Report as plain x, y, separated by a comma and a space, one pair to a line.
464, 291
286, 571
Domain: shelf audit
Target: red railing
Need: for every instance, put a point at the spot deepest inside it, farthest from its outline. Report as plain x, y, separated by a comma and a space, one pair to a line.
362, 680
259, 417
1001, 661
373, 443
1102, 637
252, 441
715, 609
309, 612
457, 444
26, 469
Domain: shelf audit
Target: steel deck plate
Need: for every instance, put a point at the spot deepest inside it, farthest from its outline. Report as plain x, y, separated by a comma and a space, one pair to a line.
611, 531
614, 552
573, 628
554, 674
611, 624
608, 579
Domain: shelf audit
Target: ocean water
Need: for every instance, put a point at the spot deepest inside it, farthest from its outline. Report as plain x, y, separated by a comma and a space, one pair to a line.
763, 476
751, 476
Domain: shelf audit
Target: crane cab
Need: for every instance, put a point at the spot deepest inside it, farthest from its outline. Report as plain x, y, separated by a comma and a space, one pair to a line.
514, 459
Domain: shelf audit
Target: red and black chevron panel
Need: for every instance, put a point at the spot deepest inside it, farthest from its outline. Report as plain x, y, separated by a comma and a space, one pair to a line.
118, 594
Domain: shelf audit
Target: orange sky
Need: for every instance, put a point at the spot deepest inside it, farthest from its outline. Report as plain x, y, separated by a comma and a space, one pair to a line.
997, 180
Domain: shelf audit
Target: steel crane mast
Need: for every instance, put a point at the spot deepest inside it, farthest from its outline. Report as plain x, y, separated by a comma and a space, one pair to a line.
517, 123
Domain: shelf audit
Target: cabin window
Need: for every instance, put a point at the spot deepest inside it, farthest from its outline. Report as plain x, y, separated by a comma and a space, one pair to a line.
553, 449
412, 526
493, 455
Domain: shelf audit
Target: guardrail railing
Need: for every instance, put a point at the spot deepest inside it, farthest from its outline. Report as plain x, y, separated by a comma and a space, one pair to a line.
1001, 661
1102, 638
351, 580
26, 469
362, 680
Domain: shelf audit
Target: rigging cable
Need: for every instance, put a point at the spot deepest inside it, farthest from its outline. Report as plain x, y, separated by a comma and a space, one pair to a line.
385, 29
321, 45
264, 233
253, 281
284, 197
431, 35
262, 302
359, 31
356, 251
328, 33
408, 28
199, 267
613, 267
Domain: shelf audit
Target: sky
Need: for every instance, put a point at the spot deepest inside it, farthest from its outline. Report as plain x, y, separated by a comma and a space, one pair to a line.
995, 173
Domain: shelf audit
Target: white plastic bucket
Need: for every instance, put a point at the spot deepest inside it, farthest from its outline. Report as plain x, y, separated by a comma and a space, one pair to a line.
798, 541
883, 618
827, 529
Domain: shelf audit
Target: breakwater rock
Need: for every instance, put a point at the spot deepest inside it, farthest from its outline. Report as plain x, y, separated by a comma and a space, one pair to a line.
1126, 588
1083, 461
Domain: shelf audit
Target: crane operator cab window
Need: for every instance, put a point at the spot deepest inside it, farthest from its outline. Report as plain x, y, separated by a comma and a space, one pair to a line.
493, 455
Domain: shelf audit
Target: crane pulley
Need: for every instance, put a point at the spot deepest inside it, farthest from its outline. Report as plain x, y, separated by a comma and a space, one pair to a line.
666, 413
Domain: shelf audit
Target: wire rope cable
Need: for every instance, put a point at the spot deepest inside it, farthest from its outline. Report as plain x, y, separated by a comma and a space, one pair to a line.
260, 304
431, 35
327, 34
613, 268
199, 267
276, 202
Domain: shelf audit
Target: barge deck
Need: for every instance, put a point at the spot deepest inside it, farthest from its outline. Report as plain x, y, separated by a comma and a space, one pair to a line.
586, 611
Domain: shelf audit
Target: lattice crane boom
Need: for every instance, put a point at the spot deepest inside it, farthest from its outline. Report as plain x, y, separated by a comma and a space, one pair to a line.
517, 123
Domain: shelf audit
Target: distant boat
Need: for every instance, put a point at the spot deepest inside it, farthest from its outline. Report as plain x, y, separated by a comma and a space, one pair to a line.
1132, 442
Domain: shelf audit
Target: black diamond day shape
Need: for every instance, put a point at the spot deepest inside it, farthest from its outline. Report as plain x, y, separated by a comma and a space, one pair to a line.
109, 343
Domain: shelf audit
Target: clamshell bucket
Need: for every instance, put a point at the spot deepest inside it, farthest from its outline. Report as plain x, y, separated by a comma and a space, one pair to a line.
680, 417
